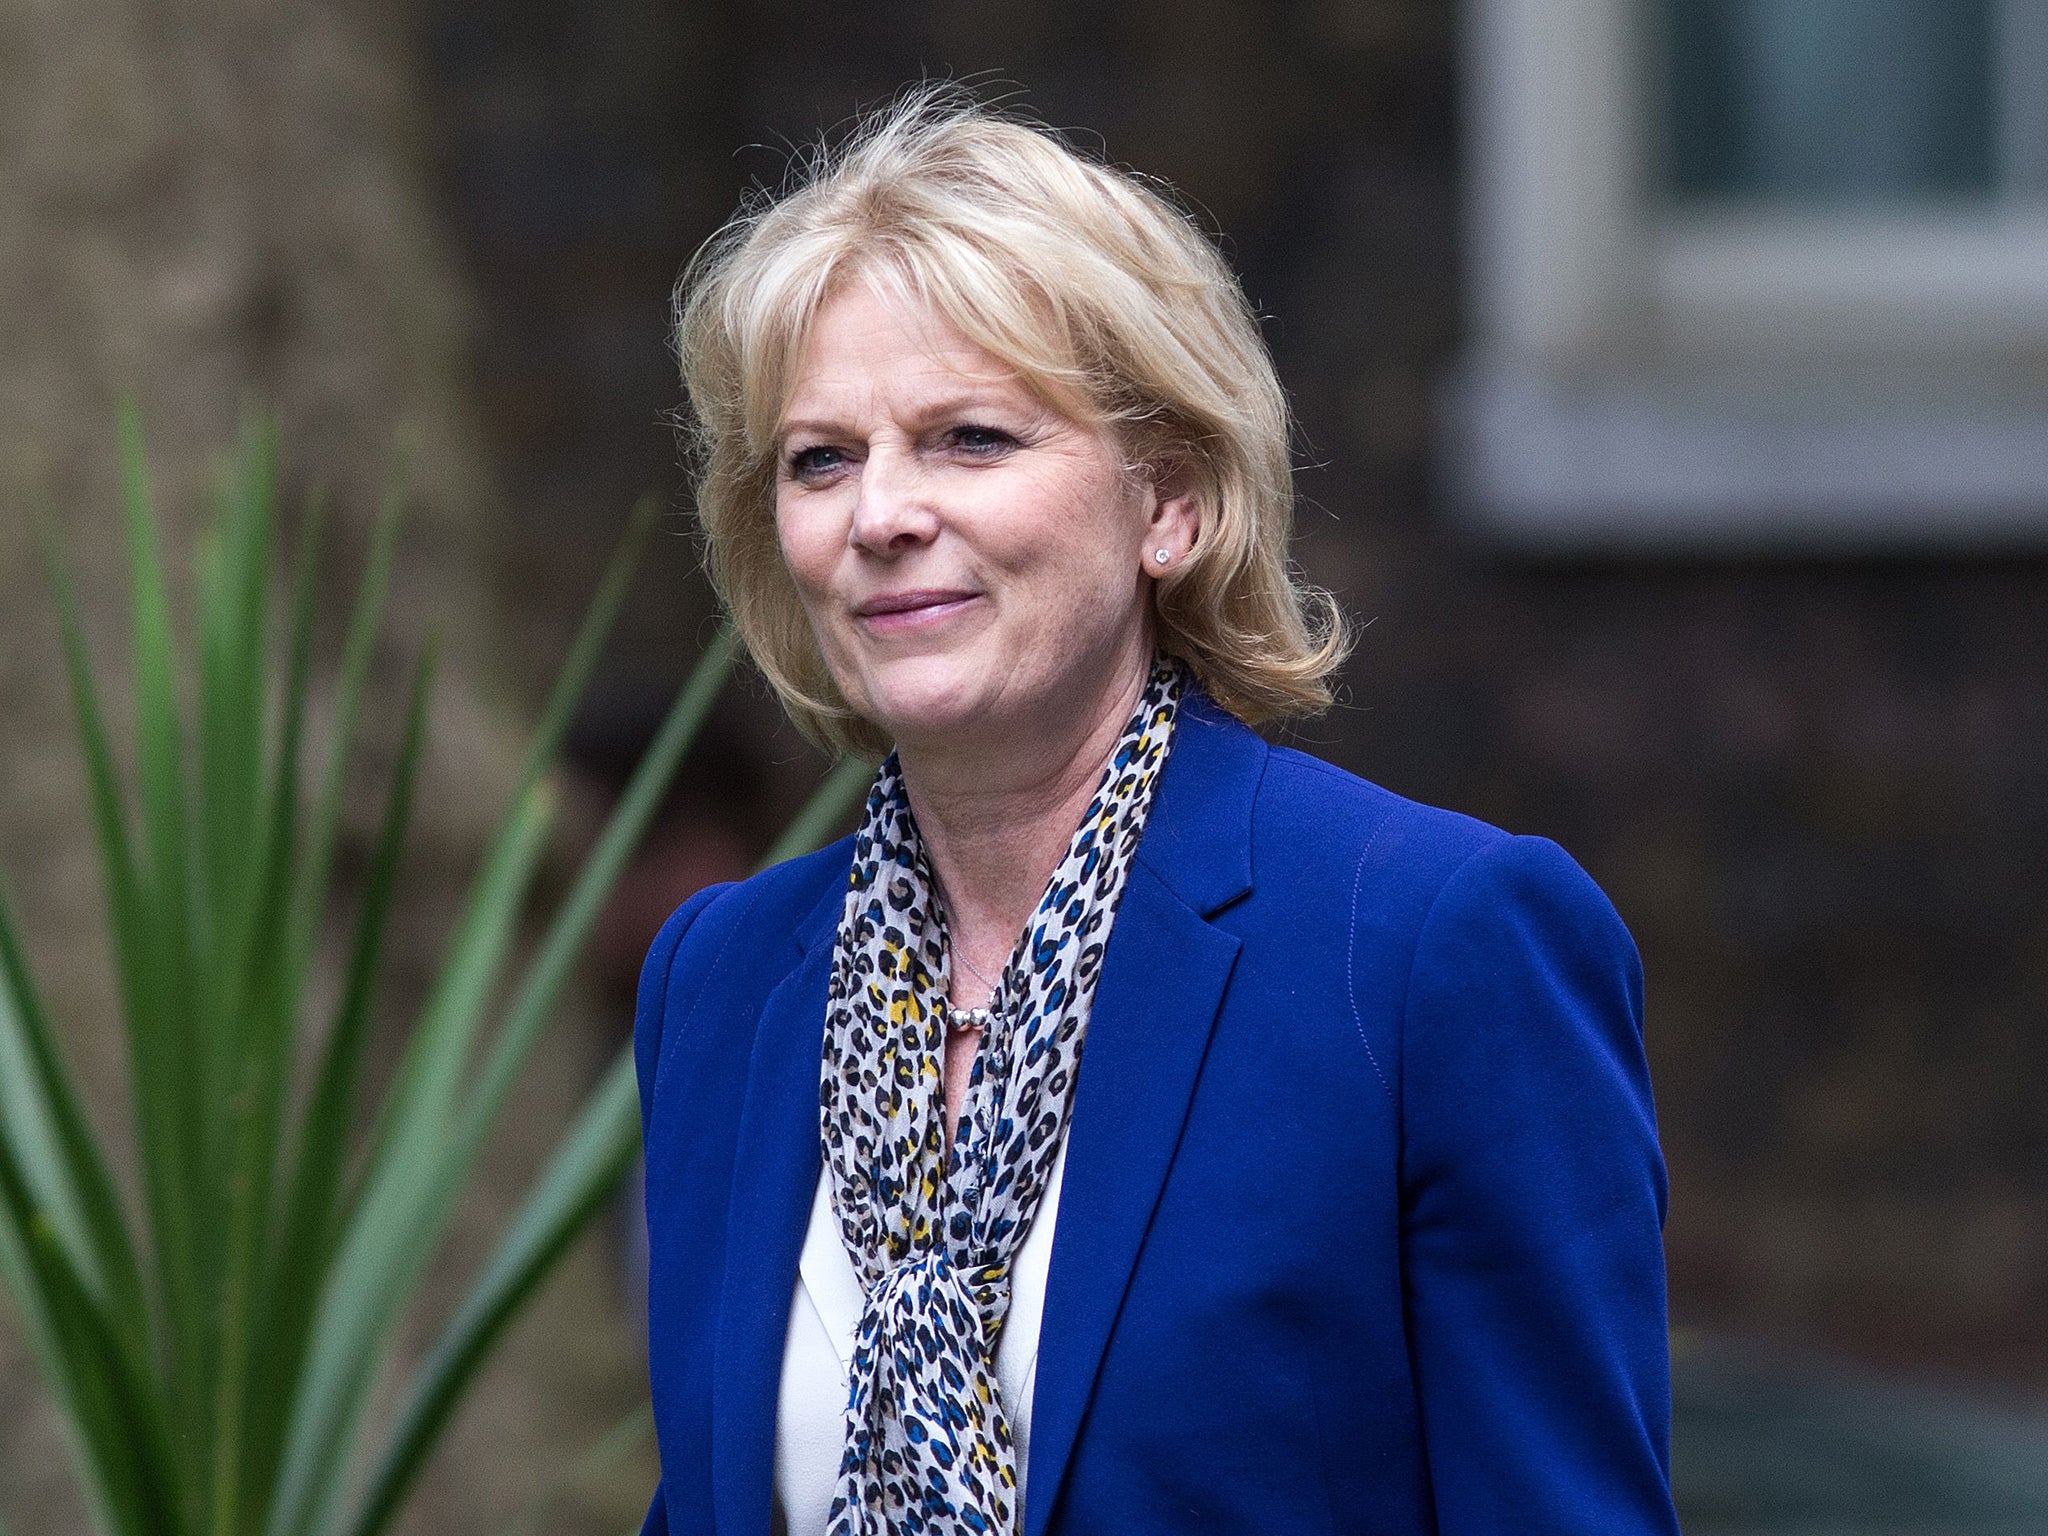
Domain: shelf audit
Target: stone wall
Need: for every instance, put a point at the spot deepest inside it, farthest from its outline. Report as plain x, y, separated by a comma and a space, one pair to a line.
196, 201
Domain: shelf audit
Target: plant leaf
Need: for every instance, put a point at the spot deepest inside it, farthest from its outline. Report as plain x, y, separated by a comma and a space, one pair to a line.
594, 1156
307, 1220
112, 1401
421, 1163
54, 1144
366, 618
392, 1220
254, 1354
163, 1004
544, 978
423, 1092
125, 925
578, 1179
584, 652
233, 836
381, 1251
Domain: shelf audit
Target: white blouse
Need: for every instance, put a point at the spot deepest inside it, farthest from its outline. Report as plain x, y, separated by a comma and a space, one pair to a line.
824, 1316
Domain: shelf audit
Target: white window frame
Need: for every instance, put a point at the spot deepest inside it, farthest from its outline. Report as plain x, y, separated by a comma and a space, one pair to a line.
1735, 381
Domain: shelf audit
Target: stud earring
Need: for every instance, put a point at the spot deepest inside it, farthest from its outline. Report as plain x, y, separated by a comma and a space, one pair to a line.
1162, 555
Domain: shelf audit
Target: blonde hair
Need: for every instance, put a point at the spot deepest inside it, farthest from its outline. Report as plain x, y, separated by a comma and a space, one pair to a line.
1101, 294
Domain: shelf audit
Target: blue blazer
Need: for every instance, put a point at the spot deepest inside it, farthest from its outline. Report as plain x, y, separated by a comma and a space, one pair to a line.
1361, 1224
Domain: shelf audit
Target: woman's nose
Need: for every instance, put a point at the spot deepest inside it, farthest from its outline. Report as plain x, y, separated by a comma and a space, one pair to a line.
893, 510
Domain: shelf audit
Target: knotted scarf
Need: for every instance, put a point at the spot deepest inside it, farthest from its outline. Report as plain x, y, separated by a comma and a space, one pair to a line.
927, 1442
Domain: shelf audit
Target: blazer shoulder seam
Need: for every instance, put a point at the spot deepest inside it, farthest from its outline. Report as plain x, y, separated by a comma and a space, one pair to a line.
1486, 848
734, 929
1351, 963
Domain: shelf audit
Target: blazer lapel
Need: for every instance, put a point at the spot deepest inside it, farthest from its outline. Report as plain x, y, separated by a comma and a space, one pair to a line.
1163, 980
775, 1177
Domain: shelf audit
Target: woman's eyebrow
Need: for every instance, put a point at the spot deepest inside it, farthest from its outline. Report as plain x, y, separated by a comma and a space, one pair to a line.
998, 395
822, 426
962, 402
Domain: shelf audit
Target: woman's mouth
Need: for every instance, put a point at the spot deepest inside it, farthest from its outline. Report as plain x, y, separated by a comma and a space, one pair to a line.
893, 613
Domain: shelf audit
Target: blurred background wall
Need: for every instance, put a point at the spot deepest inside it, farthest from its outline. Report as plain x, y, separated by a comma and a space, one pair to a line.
1807, 761
1669, 376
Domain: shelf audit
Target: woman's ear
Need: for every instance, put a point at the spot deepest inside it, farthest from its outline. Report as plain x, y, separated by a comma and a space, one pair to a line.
1174, 522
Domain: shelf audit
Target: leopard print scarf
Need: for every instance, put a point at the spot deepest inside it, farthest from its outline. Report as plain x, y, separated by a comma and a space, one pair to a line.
928, 1446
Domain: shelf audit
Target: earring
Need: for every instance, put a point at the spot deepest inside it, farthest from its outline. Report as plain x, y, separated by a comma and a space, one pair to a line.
1162, 555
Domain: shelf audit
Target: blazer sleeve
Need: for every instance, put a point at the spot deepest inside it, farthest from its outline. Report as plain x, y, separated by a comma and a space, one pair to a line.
650, 1007
650, 1011
1533, 1197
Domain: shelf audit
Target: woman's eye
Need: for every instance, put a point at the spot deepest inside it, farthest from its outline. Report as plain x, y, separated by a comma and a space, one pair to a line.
981, 442
808, 463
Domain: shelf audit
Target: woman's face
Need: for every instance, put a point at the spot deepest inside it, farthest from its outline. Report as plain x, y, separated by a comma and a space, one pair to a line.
972, 561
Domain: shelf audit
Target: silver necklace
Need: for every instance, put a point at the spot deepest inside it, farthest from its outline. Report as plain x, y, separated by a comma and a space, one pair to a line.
972, 1018
967, 1018
960, 954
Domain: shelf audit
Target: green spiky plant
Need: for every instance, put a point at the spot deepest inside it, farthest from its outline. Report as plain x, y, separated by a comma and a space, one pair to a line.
217, 1369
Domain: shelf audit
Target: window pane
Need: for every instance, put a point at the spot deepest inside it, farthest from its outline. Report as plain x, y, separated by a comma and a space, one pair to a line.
1828, 101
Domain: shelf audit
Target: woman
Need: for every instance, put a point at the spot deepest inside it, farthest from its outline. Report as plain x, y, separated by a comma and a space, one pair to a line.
1347, 1217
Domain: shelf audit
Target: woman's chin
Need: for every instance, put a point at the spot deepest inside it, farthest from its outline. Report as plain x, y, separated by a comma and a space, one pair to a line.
928, 699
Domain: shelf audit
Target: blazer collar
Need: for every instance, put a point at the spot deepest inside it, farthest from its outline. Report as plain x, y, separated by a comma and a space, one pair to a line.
1197, 835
